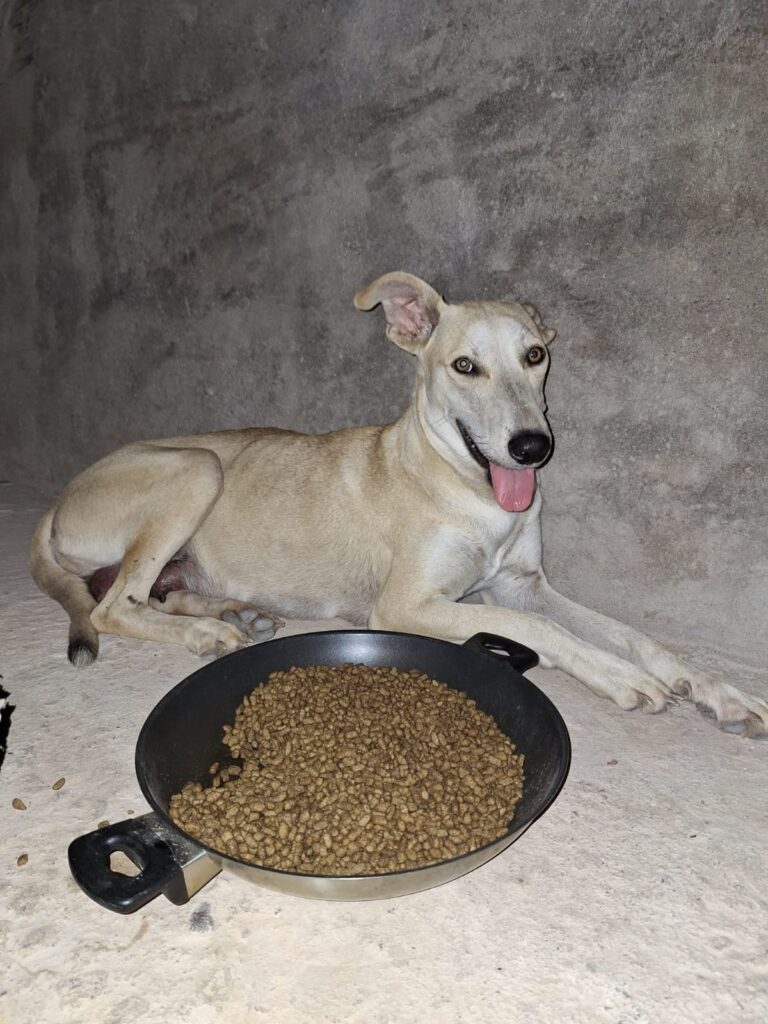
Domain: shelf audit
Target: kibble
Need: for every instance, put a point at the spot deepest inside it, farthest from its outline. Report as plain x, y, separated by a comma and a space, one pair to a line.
58, 783
22, 859
355, 770
18, 804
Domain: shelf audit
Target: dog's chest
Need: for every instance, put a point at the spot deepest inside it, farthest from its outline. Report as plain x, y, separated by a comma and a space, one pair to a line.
500, 547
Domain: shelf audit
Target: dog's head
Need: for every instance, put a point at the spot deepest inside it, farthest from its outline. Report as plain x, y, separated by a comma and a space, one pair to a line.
480, 389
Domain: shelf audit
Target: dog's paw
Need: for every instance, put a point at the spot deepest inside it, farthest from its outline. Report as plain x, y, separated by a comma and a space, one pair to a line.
630, 687
257, 625
649, 695
732, 710
211, 638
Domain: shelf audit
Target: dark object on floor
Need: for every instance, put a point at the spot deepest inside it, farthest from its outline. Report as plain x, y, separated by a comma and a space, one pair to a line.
6, 710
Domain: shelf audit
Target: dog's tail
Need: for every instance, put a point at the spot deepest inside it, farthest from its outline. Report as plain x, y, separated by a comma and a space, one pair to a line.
69, 590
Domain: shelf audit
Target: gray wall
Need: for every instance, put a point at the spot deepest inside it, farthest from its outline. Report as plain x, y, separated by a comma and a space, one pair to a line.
193, 191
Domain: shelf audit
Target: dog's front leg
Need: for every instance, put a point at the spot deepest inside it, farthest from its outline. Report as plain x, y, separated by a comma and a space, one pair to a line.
733, 710
433, 612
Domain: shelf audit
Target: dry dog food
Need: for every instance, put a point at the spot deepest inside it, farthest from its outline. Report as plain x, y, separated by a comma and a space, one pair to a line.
355, 770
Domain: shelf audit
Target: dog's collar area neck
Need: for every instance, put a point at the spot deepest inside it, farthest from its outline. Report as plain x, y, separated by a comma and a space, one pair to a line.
472, 448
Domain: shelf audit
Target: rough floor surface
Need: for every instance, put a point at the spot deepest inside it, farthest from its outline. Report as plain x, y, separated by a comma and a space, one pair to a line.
639, 898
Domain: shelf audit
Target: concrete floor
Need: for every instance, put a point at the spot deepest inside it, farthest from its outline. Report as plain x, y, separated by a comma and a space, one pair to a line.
639, 897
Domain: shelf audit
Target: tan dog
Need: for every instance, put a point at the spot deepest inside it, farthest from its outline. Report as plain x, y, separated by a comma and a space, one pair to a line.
183, 540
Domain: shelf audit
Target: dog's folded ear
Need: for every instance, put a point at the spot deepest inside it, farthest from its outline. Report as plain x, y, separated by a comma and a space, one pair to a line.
548, 334
411, 306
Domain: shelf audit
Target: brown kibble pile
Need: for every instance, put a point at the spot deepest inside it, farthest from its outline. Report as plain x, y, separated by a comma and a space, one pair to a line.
355, 770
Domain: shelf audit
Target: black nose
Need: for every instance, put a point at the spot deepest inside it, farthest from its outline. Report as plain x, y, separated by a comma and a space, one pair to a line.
529, 446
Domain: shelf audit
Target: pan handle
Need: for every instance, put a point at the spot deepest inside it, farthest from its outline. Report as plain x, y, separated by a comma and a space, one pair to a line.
517, 656
167, 861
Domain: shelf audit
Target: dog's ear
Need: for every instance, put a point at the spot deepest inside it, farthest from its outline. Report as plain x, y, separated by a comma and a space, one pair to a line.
411, 306
548, 334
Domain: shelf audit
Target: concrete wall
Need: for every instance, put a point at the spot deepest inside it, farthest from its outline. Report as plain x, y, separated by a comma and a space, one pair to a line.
193, 191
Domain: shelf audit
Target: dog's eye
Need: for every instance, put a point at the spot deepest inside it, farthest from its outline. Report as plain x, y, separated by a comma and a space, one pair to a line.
535, 355
463, 365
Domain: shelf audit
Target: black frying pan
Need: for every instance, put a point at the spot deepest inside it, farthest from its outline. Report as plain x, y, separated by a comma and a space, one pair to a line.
182, 738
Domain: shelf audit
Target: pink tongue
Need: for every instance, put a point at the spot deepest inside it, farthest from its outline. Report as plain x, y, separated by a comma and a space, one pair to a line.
513, 487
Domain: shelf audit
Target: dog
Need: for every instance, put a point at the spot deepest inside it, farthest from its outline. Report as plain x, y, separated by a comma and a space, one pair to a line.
185, 540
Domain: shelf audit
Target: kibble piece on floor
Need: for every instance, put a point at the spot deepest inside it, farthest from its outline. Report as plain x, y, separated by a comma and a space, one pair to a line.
353, 770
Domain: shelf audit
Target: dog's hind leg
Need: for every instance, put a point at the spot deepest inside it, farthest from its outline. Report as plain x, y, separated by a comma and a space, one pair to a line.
138, 508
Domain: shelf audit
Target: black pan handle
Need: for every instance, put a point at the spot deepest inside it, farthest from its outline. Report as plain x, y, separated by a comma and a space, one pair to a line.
517, 656
167, 864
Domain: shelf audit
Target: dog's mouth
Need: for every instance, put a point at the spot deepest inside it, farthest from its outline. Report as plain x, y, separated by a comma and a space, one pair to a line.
512, 488
472, 448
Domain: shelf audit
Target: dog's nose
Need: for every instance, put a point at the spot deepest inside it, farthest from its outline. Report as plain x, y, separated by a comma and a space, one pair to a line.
529, 446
